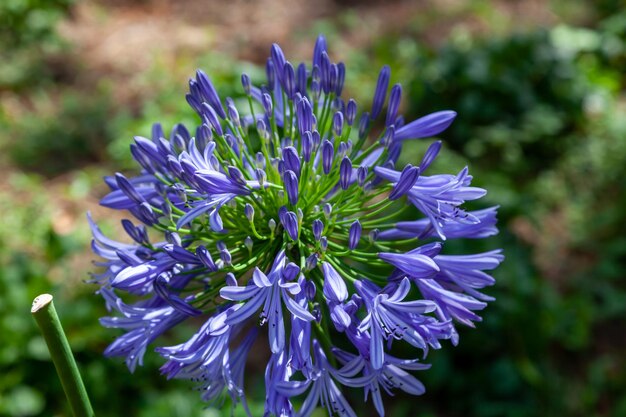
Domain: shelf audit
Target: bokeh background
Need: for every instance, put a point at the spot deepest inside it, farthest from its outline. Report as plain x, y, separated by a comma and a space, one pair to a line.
540, 90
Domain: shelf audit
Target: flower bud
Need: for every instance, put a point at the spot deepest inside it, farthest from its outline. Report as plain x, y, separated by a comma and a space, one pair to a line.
270, 73
279, 60
249, 212
408, 177
327, 208
325, 73
260, 176
236, 175
203, 136
226, 257
178, 143
291, 186
247, 242
311, 262
364, 124
327, 156
292, 160
291, 271
387, 137
301, 79
318, 228
289, 221
289, 80
316, 90
205, 257
361, 175
315, 135
230, 280
341, 78
262, 129
373, 235
381, 91
337, 123
147, 215
345, 173
354, 235
260, 160
128, 189
333, 74
233, 114
430, 155
245, 82
394, 103
267, 105
307, 146
173, 238
350, 112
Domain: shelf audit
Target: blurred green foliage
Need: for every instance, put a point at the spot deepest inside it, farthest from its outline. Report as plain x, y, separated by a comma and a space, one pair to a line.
27, 22
28, 30
518, 97
540, 122
61, 134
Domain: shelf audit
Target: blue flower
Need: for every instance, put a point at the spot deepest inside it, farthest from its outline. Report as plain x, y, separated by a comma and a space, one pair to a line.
438, 197
272, 292
389, 316
291, 214
277, 402
391, 375
300, 338
144, 323
322, 387
423, 229
207, 359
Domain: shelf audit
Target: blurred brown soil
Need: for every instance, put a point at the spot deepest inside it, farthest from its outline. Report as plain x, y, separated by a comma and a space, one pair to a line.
123, 38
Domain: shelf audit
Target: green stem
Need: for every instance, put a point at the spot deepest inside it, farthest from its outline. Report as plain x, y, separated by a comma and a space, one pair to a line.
48, 321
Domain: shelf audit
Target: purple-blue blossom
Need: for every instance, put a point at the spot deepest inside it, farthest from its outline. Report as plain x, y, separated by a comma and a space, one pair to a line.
291, 230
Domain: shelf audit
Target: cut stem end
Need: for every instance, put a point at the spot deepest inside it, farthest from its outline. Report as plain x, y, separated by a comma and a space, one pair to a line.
40, 302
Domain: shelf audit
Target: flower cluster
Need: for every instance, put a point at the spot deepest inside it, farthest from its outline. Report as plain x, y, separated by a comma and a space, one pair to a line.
282, 216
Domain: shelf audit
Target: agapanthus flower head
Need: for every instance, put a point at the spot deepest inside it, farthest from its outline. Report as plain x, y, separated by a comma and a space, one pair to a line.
286, 222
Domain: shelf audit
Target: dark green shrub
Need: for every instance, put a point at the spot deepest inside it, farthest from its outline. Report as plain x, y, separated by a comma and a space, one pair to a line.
516, 97
27, 37
56, 137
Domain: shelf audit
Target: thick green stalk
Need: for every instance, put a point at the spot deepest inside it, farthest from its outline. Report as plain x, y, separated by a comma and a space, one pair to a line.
48, 321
